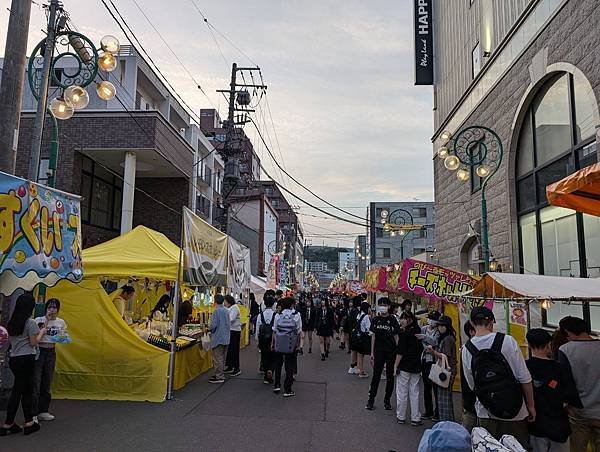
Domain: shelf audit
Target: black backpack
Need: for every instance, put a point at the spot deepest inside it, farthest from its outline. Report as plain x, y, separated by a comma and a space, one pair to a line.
265, 331
356, 336
495, 384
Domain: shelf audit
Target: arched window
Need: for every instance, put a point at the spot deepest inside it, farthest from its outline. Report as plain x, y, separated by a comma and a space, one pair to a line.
556, 139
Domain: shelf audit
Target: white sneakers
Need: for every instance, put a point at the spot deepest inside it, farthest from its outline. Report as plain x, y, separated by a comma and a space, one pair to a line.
353, 371
45, 417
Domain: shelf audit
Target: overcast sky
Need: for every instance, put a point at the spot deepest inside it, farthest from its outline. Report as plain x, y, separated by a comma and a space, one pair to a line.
351, 125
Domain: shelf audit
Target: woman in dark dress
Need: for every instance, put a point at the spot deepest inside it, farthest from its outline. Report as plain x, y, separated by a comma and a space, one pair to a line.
325, 325
308, 314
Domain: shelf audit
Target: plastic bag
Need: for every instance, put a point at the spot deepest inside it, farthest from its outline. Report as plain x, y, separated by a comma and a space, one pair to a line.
205, 341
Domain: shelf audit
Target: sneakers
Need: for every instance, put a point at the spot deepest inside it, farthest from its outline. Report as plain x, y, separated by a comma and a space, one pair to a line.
10, 430
363, 375
289, 394
353, 371
45, 417
235, 373
309, 349
228, 370
326, 353
216, 380
276, 389
31, 429
401, 421
427, 416
370, 405
322, 357
416, 423
387, 406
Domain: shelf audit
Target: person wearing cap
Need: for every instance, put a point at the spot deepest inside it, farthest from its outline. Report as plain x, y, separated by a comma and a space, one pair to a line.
446, 346
483, 319
430, 337
551, 430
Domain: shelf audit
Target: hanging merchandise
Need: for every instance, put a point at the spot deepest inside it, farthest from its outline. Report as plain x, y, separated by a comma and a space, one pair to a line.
196, 301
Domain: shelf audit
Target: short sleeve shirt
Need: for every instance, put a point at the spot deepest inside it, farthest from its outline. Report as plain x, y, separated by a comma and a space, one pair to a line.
384, 329
20, 345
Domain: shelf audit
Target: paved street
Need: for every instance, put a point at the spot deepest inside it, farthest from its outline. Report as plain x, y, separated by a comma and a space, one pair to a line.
327, 414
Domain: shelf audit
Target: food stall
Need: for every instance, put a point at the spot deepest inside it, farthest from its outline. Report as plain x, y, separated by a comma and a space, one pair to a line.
115, 358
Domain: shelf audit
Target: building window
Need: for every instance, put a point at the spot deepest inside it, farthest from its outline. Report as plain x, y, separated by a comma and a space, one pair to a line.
420, 212
102, 194
43, 171
556, 140
379, 233
275, 203
420, 234
386, 253
269, 191
476, 60
418, 251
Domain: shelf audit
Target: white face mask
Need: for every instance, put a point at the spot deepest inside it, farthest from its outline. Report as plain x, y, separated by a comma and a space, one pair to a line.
382, 309
431, 323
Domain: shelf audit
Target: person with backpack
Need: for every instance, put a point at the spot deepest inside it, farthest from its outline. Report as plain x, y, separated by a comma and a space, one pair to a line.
287, 330
408, 370
551, 430
264, 337
384, 343
469, 415
579, 360
308, 314
325, 326
360, 341
495, 369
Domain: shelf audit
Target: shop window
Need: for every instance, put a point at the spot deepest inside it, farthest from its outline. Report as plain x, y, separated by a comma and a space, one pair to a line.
559, 242
102, 194
529, 251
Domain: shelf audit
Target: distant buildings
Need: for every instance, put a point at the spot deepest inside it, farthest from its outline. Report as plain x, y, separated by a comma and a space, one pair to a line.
318, 267
360, 257
346, 264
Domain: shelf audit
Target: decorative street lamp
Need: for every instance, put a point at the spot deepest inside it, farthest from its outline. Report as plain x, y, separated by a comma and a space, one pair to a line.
399, 222
71, 82
478, 149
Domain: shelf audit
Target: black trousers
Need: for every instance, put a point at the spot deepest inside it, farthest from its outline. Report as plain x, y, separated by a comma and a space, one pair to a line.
291, 367
381, 359
267, 360
22, 368
44, 372
429, 392
232, 361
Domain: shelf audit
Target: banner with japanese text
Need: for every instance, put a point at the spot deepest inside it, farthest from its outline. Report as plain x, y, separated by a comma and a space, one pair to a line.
40, 235
204, 252
238, 266
272, 273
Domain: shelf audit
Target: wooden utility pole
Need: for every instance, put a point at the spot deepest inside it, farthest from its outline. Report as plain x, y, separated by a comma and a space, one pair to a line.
13, 77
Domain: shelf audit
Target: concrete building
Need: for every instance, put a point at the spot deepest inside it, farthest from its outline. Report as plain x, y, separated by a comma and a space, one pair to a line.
318, 267
346, 264
384, 247
529, 70
132, 158
360, 257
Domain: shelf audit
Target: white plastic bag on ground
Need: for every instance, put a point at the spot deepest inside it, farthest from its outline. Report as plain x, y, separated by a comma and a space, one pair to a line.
483, 441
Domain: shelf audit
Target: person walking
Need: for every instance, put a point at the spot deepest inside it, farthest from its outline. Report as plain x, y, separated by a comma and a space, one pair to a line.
308, 315
447, 348
56, 328
408, 370
360, 341
325, 323
24, 336
579, 360
493, 364
220, 325
469, 415
550, 431
341, 315
384, 343
430, 337
254, 311
264, 337
287, 330
232, 362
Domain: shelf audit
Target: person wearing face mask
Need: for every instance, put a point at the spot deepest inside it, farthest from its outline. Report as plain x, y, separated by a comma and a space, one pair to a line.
325, 324
430, 337
384, 342
446, 346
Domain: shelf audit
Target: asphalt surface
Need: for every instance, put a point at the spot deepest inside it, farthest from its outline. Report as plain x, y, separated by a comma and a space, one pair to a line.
327, 414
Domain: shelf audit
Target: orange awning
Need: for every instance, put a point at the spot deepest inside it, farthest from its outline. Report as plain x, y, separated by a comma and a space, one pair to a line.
580, 191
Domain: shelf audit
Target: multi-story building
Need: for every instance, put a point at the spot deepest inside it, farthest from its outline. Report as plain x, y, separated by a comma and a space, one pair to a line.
346, 264
131, 158
360, 257
529, 70
318, 267
384, 247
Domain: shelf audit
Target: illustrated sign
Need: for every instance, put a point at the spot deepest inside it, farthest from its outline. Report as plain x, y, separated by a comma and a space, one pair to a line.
238, 266
40, 235
432, 281
518, 313
283, 274
204, 252
272, 272
423, 42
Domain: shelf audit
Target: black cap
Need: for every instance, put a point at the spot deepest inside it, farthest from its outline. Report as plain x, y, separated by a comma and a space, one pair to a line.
434, 315
445, 320
538, 337
481, 313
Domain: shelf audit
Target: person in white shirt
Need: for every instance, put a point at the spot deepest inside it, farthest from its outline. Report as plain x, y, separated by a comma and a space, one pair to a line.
232, 362
264, 338
123, 299
289, 359
483, 319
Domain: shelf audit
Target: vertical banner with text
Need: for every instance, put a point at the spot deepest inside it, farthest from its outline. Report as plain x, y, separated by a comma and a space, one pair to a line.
238, 266
423, 42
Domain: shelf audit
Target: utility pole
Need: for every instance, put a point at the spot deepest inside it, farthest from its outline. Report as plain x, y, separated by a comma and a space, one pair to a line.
232, 151
13, 77
40, 116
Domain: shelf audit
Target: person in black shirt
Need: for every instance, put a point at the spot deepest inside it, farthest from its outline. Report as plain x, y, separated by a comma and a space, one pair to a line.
408, 369
469, 416
550, 430
325, 324
351, 323
384, 341
308, 314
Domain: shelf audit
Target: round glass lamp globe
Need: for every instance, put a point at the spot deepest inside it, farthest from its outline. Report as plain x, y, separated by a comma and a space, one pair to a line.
445, 136
443, 152
106, 90
462, 174
483, 171
61, 109
77, 97
452, 162
110, 44
107, 62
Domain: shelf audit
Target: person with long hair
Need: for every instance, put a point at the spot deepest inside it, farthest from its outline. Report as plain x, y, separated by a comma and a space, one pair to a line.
162, 306
308, 314
363, 347
25, 335
446, 346
325, 325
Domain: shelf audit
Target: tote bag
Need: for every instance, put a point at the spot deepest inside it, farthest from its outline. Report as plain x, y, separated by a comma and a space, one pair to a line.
440, 372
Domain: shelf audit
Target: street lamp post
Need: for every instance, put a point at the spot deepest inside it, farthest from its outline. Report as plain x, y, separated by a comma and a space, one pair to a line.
42, 70
479, 149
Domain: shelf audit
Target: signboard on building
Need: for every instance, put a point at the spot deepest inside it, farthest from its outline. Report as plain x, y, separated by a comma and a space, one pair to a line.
40, 235
423, 42
272, 273
238, 266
